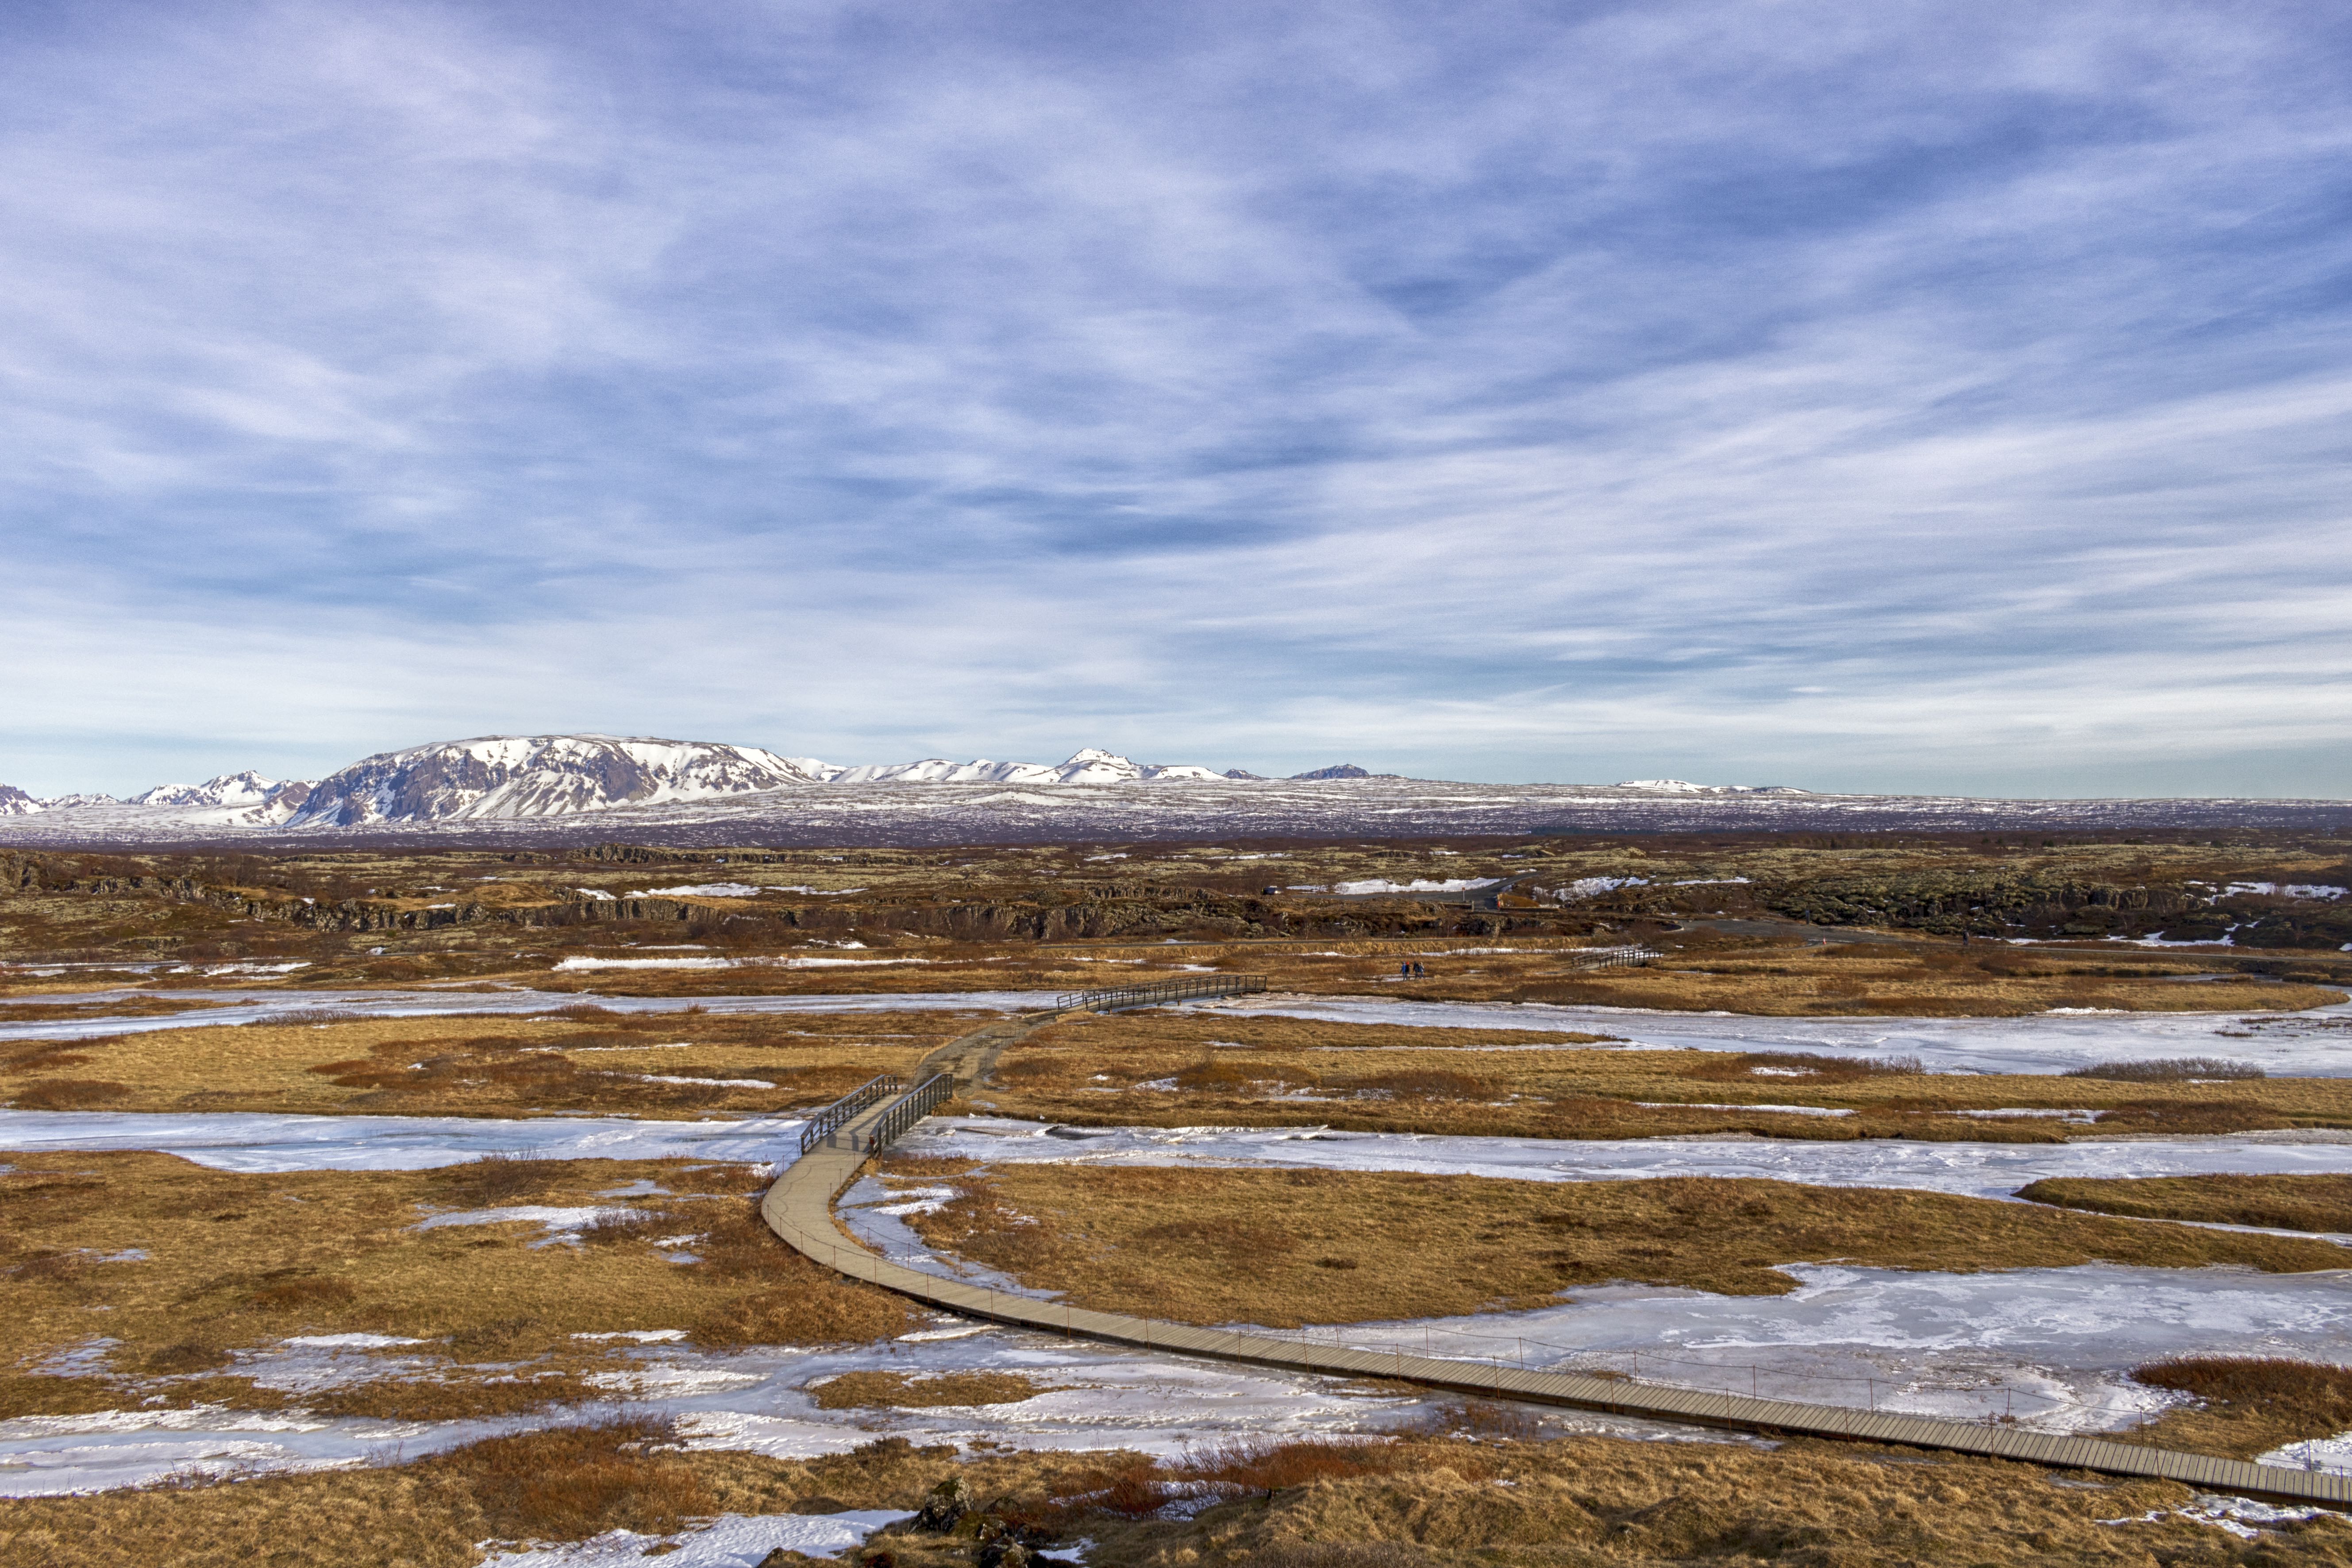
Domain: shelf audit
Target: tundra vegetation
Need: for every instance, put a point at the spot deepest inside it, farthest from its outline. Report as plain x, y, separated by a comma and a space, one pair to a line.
196, 1270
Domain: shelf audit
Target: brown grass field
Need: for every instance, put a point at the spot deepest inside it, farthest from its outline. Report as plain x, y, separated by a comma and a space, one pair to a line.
242, 1261
583, 1059
2245, 1405
1284, 1248
1236, 1070
901, 1391
2279, 1203
1454, 1497
238, 1262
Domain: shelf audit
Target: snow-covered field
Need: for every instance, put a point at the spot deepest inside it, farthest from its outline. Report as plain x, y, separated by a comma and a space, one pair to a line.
2314, 1044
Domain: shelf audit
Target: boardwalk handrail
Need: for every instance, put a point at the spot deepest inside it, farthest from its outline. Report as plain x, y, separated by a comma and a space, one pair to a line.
1631, 957
909, 1108
1151, 993
799, 1208
826, 1122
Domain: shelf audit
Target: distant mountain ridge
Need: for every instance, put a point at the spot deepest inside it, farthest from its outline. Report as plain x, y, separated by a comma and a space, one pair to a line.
564, 791
494, 779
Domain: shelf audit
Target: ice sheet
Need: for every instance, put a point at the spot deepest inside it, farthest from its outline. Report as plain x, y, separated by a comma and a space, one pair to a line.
732, 1541
1976, 1170
255, 1006
2317, 1043
748, 1400
252, 1140
2050, 1346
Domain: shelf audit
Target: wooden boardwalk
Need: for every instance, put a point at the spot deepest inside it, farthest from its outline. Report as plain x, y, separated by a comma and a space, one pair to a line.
799, 1208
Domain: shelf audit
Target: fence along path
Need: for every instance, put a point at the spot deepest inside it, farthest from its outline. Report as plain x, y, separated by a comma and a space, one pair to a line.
1153, 992
799, 1208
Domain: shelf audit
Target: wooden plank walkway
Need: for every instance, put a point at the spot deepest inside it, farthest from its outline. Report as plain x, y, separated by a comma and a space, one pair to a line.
799, 1208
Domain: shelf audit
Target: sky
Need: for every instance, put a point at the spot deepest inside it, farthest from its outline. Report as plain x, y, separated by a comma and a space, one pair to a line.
1901, 397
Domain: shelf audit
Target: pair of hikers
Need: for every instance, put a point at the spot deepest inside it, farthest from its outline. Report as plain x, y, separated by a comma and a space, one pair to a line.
1411, 971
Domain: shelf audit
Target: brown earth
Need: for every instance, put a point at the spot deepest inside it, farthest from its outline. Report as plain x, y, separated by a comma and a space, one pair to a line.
902, 1391
1451, 1498
583, 1059
2279, 1203
1284, 1248
1233, 1069
243, 1261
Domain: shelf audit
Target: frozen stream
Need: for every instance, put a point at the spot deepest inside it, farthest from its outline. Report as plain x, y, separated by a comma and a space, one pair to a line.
258, 1142
1974, 1170
2315, 1044
259, 1007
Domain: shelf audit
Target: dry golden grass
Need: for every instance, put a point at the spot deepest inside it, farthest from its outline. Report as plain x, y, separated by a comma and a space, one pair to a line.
2280, 1203
1577, 1503
1233, 1069
1903, 981
2246, 1406
585, 1060
242, 1261
901, 1391
1290, 1248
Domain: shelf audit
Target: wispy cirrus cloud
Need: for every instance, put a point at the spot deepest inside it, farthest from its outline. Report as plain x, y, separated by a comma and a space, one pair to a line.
1885, 399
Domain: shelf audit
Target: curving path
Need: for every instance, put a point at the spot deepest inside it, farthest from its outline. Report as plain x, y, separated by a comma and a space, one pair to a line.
799, 1208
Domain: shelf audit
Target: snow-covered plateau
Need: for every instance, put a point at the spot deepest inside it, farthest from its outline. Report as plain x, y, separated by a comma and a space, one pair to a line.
539, 788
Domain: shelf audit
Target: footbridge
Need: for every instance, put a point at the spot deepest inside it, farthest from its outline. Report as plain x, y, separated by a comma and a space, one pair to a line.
799, 1210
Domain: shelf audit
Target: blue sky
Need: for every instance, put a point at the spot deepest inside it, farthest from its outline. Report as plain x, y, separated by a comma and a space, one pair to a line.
1888, 397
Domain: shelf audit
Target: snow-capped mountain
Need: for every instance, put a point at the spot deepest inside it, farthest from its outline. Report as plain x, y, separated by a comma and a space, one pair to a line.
247, 788
497, 777
15, 802
1684, 786
1090, 766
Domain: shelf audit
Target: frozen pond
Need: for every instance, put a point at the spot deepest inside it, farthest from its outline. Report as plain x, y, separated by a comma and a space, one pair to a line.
755, 1400
1975, 1170
2316, 1044
260, 1006
2051, 1346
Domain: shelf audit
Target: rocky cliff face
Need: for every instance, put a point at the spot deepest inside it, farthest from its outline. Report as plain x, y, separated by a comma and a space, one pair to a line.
510, 777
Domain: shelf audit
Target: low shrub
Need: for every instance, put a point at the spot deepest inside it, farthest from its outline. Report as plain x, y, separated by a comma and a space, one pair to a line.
1429, 1083
614, 1227
2170, 1069
2311, 1393
497, 1180
69, 1094
568, 1483
1811, 1065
